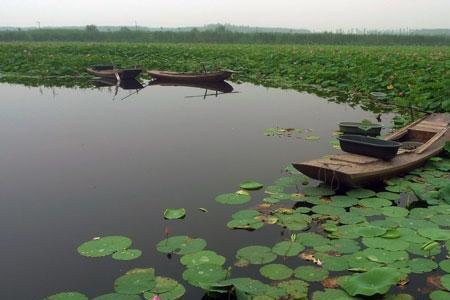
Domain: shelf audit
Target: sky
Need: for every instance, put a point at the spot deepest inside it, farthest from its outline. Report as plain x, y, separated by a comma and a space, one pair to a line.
310, 14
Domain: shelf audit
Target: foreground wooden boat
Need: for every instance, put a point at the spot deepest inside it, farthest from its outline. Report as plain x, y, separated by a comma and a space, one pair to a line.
113, 72
430, 133
217, 76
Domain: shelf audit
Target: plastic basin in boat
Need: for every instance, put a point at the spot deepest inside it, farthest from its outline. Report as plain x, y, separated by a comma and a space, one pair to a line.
369, 146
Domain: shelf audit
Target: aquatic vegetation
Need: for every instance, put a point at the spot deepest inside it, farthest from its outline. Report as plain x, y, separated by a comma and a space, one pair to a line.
233, 198
276, 271
375, 281
174, 213
127, 254
104, 246
135, 281
67, 296
181, 245
250, 185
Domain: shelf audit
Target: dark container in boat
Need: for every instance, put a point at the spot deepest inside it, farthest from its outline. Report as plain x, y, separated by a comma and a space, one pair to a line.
369, 146
356, 128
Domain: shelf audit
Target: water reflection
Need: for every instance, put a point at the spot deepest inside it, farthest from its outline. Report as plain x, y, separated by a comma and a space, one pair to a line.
211, 88
129, 84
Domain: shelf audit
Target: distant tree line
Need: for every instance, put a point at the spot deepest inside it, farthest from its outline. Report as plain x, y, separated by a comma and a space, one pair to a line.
218, 35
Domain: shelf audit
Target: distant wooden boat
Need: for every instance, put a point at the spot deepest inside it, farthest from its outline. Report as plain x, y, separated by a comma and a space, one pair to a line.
220, 86
217, 76
113, 72
126, 84
429, 134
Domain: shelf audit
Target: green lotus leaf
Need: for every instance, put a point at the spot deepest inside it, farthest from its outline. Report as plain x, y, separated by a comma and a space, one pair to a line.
294, 221
445, 265
322, 190
250, 185
374, 281
328, 210
257, 255
421, 213
115, 296
295, 289
202, 257
445, 280
351, 218
247, 285
181, 245
374, 202
104, 246
287, 181
333, 263
247, 224
135, 282
361, 193
445, 193
176, 293
417, 249
288, 248
310, 273
331, 294
174, 213
388, 244
394, 211
344, 246
204, 273
442, 220
371, 231
343, 201
276, 271
67, 296
274, 189
233, 198
392, 233
360, 261
128, 254
411, 236
399, 297
435, 234
416, 223
422, 265
440, 295
365, 211
311, 239
163, 285
245, 214
384, 256
389, 196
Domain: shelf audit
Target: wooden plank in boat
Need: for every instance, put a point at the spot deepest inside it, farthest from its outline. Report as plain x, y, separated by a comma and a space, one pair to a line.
354, 158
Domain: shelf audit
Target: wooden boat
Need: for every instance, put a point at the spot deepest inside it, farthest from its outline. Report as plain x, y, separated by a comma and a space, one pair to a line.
220, 86
113, 72
217, 76
430, 134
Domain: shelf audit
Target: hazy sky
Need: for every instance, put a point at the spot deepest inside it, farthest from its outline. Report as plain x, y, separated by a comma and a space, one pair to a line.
312, 14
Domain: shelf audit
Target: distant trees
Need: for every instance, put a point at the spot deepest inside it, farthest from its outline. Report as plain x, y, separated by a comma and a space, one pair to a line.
91, 28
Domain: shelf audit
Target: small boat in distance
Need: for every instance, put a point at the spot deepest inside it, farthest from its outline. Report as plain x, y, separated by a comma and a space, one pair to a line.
216, 76
113, 72
420, 140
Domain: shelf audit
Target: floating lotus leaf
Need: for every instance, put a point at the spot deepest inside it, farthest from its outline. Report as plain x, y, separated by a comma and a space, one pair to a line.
287, 181
436, 234
295, 289
343, 201
445, 265
135, 282
311, 239
274, 189
411, 236
323, 248
276, 271
295, 221
346, 232
247, 224
388, 196
174, 213
180, 245
245, 214
360, 261
374, 202
312, 138
328, 210
422, 265
384, 256
415, 223
247, 285
331, 294
257, 255
417, 249
374, 281
351, 218
440, 295
67, 296
371, 231
392, 233
445, 193
394, 211
202, 257
310, 273
280, 196
445, 280
442, 220
288, 248
115, 296
365, 211
421, 213
318, 191
333, 263
128, 254
344, 246
176, 293
360, 193
250, 185
204, 273
104, 246
163, 285
233, 198
399, 297
388, 244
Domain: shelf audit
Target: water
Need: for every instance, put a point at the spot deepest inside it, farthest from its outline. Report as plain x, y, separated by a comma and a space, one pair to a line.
80, 163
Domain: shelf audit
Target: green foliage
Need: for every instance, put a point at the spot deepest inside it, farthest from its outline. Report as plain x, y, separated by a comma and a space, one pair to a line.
104, 246
174, 213
67, 296
375, 281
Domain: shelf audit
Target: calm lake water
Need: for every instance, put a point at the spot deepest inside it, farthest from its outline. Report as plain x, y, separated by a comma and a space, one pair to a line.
81, 163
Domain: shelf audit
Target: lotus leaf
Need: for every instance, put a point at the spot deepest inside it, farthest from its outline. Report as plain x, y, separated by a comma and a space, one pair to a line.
247, 224
392, 233
359, 261
204, 273
445, 193
276, 271
295, 221
445, 265
115, 296
374, 281
361, 193
251, 185
233, 198
417, 249
288, 248
333, 263
256, 254
247, 285
180, 245
344, 246
445, 280
310, 273
442, 220
164, 284
311, 239
274, 189
399, 297
128, 254
440, 295
135, 282
295, 289
174, 213
321, 190
331, 294
286, 181
394, 211
328, 210
343, 201
384, 256
67, 296
312, 138
104, 246
411, 236
388, 244
245, 214
176, 293
388, 196
436, 234
374, 202
202, 257
371, 231
421, 213
422, 265
365, 211
351, 218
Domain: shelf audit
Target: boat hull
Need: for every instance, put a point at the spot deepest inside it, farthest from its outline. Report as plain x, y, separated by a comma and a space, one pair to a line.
123, 74
191, 77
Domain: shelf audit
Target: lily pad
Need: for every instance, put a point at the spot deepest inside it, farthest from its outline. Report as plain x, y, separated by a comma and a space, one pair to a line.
204, 273
181, 245
288, 248
331, 294
388, 244
343, 201
310, 273
295, 289
388, 196
128, 254
251, 185
361, 193
371, 231
247, 224
202, 257
174, 213
276, 271
436, 234
384, 256
245, 214
374, 202
422, 265
233, 198
104, 246
324, 209
135, 282
394, 211
445, 265
67, 296
115, 296
440, 295
173, 294
321, 190
445, 280
257, 255
374, 281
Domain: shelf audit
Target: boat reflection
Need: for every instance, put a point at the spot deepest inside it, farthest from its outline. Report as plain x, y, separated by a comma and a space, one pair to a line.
128, 84
211, 88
